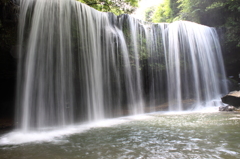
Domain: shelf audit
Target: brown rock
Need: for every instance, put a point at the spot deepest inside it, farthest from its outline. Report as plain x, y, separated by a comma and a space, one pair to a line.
233, 98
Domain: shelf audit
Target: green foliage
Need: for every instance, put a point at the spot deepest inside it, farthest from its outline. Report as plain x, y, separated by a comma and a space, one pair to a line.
215, 5
149, 14
115, 6
193, 10
232, 9
163, 13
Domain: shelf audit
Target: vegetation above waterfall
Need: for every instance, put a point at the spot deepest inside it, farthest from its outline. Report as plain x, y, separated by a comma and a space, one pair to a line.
115, 6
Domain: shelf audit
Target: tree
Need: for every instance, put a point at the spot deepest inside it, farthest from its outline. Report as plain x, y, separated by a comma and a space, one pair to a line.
165, 12
115, 6
162, 13
149, 14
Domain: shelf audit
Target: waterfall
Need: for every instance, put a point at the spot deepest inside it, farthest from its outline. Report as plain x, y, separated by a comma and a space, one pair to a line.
78, 64
194, 63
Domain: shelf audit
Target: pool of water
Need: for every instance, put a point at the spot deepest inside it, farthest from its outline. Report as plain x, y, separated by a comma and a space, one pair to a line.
159, 135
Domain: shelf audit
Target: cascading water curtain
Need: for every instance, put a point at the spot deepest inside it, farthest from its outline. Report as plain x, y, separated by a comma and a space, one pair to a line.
78, 64
194, 64
46, 72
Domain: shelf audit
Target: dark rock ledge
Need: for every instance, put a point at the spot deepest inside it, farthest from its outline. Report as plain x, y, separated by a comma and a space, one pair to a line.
233, 101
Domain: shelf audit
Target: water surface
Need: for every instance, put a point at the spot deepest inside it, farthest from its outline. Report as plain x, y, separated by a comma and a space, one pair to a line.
176, 135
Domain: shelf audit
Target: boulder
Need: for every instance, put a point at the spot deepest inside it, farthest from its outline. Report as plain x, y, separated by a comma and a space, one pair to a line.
233, 98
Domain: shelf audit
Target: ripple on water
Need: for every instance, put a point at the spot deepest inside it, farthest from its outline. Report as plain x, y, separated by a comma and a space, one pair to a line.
159, 136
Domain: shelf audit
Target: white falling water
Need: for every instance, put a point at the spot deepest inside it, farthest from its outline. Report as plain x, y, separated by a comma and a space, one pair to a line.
78, 64
194, 63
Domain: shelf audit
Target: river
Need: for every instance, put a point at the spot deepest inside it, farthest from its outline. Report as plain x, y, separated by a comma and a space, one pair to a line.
159, 135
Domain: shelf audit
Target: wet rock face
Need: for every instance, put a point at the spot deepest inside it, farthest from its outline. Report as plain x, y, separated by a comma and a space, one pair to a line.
9, 11
233, 98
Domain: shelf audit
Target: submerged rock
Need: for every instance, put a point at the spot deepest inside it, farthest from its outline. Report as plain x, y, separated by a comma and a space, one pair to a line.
227, 108
233, 98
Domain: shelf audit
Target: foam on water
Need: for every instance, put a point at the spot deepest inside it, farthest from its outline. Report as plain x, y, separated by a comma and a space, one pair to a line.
43, 135
18, 137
